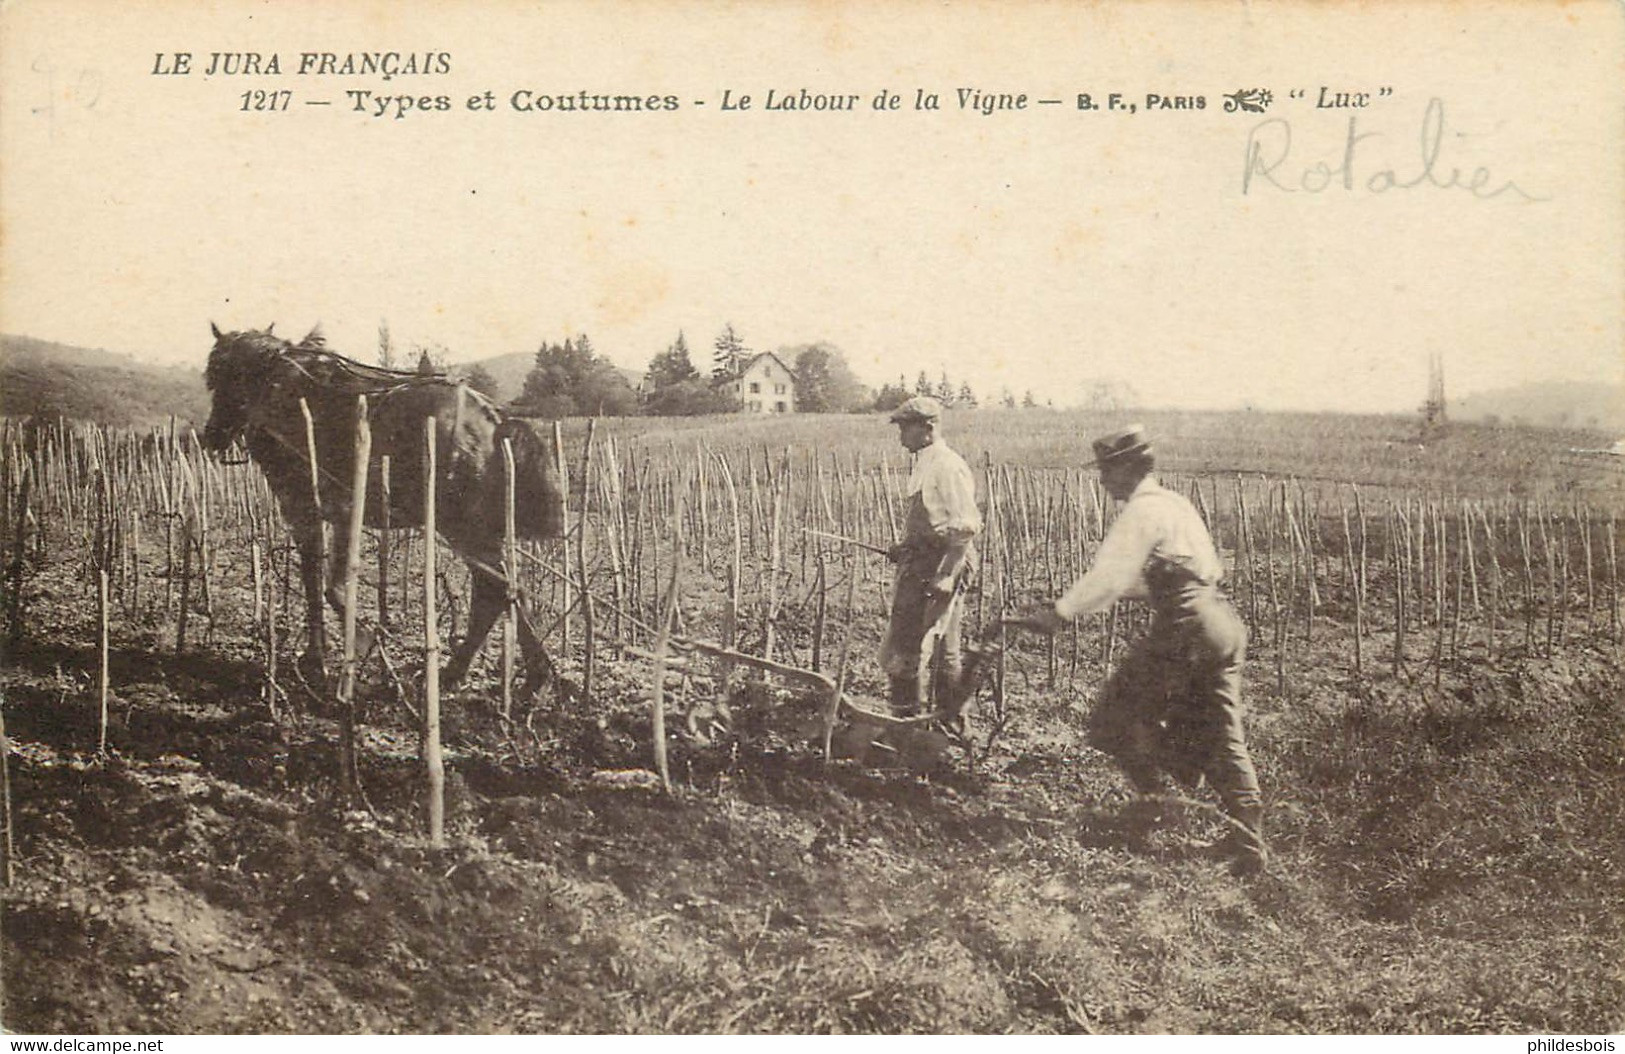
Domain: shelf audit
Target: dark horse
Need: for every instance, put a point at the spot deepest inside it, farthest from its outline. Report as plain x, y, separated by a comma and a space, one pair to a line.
257, 381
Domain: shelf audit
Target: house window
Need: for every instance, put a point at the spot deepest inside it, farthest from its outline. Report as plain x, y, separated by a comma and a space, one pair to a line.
755, 387
778, 407
778, 389
755, 406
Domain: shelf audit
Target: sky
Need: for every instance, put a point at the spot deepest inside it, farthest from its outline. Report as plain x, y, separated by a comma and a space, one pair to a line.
1178, 253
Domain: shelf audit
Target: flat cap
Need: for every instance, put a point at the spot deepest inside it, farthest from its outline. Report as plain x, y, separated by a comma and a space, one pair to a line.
1125, 441
919, 408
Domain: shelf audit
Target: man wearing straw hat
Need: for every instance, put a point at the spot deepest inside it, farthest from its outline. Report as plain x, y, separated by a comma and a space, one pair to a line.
1174, 703
933, 559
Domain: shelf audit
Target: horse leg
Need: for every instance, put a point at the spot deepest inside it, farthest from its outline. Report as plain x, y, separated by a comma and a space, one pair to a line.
490, 597
538, 666
313, 664
338, 569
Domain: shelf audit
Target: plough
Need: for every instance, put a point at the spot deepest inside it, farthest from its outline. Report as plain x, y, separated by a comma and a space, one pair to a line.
917, 740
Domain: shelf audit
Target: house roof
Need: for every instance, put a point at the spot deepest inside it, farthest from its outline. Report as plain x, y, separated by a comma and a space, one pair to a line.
759, 356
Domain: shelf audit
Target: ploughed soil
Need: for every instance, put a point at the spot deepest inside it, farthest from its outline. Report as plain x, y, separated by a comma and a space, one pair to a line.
1448, 855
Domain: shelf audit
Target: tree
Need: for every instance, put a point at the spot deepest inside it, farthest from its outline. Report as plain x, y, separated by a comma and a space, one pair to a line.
688, 398
731, 353
891, 396
922, 385
568, 380
824, 381
675, 387
1027, 401
480, 379
966, 397
431, 359
945, 390
386, 347
672, 366
812, 382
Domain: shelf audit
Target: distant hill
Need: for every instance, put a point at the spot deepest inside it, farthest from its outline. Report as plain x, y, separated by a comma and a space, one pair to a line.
1549, 404
41, 377
508, 370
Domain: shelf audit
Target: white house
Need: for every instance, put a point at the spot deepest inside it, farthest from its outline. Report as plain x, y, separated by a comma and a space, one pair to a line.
766, 386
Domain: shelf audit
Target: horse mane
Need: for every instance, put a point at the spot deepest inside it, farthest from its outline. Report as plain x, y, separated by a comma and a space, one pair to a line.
257, 351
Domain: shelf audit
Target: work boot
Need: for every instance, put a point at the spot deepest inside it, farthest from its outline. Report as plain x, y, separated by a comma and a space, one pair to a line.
1245, 845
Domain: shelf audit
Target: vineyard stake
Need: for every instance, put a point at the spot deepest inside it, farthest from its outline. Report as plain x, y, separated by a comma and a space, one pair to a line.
316, 496
1491, 550
832, 708
657, 701
8, 847
563, 469
14, 632
588, 650
385, 548
1359, 614
510, 570
101, 657
433, 764
348, 776
186, 585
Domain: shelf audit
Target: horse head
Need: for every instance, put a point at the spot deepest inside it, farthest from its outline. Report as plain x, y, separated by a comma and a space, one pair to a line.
236, 376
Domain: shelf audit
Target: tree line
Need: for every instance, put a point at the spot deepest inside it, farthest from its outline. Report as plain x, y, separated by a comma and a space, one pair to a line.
571, 379
946, 392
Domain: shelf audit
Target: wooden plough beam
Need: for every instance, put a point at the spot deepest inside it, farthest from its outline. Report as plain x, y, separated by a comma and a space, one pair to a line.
834, 706
837, 701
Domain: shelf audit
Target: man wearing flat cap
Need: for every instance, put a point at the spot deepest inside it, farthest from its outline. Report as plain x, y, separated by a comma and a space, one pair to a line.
1174, 703
933, 560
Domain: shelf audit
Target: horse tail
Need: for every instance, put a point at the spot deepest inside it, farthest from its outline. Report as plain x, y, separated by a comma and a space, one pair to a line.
538, 488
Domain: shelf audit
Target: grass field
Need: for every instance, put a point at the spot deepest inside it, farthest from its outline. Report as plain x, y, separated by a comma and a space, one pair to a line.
1438, 718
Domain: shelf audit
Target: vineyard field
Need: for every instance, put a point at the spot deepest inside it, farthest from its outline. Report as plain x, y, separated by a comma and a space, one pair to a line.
1434, 678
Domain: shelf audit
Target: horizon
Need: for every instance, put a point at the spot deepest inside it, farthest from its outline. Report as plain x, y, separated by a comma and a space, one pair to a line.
985, 400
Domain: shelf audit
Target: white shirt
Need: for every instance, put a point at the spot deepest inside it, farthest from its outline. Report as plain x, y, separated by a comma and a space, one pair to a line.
1153, 523
946, 488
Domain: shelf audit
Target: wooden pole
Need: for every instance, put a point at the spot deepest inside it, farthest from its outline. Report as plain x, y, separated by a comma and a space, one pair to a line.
730, 615
657, 703
349, 781
1529, 582
832, 708
510, 570
588, 644
171, 495
8, 847
186, 585
1591, 586
820, 585
563, 469
434, 765
1492, 552
315, 495
1551, 583
271, 614
1400, 539
1359, 614
385, 502
19, 559
101, 657
1613, 584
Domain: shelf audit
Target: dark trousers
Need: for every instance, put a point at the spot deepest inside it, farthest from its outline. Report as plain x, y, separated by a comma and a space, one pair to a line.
923, 639
1173, 706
